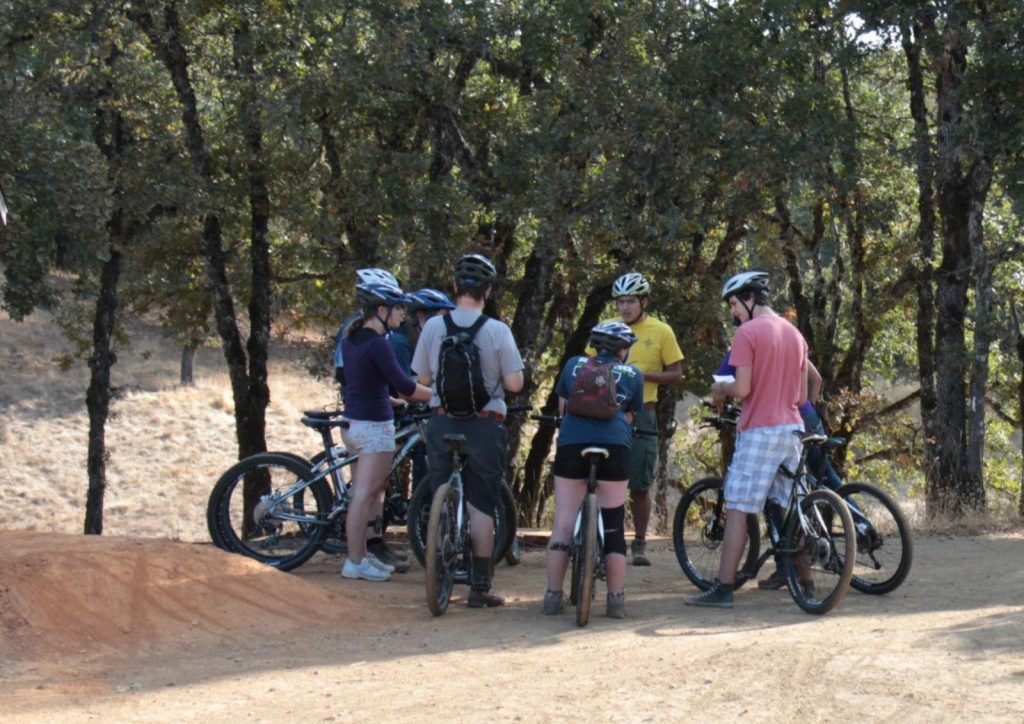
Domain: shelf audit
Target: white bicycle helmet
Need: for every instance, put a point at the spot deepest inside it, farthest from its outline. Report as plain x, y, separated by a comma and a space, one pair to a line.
376, 276
748, 281
631, 285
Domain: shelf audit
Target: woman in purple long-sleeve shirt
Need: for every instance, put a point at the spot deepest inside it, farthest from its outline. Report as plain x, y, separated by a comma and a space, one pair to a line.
370, 366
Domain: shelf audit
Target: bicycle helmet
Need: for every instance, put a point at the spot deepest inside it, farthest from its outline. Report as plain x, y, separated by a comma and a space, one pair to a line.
375, 295
749, 281
475, 270
612, 336
376, 276
430, 299
631, 285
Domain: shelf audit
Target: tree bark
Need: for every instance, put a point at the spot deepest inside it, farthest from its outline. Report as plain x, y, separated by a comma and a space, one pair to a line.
188, 361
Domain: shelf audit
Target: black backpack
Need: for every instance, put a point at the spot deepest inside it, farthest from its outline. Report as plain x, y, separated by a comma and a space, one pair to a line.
460, 379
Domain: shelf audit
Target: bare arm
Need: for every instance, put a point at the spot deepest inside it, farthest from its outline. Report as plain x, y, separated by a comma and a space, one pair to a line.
672, 373
513, 381
738, 388
813, 382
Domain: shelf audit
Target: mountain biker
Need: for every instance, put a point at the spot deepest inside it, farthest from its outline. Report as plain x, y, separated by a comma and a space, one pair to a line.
818, 462
657, 355
612, 341
485, 446
770, 356
370, 367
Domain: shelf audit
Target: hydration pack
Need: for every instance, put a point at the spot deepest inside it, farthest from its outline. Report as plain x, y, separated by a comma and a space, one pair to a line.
460, 379
593, 391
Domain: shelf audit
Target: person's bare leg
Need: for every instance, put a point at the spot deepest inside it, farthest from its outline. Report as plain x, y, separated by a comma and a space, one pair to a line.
732, 545
367, 485
569, 494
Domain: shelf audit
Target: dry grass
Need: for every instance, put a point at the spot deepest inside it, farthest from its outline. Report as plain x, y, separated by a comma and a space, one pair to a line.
167, 444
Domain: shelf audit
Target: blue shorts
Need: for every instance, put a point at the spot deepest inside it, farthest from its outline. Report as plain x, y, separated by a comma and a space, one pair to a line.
754, 472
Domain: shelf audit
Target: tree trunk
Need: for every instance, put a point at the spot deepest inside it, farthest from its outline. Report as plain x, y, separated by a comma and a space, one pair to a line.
97, 398
913, 37
188, 361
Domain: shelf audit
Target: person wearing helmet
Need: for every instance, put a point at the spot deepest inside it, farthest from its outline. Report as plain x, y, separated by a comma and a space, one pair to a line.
427, 303
770, 357
485, 448
370, 368
363, 276
611, 341
658, 357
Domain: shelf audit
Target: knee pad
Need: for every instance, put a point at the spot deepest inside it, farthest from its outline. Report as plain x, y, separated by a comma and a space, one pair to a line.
614, 520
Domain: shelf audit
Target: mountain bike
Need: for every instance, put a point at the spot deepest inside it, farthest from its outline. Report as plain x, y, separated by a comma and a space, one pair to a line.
280, 508
506, 546
449, 549
816, 548
885, 547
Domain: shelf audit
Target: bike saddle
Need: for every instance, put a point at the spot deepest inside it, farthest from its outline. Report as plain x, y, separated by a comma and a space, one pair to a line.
809, 437
602, 452
319, 423
455, 440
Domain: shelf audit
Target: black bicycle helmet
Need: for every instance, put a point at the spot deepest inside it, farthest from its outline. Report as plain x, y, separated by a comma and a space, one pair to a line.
475, 270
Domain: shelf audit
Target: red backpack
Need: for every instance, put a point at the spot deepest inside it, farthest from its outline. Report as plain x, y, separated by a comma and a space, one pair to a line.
593, 391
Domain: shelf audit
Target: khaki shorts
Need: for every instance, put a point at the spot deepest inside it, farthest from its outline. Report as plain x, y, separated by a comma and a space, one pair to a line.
369, 436
643, 458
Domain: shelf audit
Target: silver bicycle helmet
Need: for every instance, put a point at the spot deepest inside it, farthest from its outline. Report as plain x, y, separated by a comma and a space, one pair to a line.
633, 284
612, 336
748, 281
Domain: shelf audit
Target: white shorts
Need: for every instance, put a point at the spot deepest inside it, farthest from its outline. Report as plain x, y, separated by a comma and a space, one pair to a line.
369, 436
754, 472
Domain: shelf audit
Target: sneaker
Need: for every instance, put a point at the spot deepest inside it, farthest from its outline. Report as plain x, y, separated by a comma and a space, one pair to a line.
375, 561
479, 598
386, 555
639, 551
616, 605
554, 603
774, 582
714, 597
366, 570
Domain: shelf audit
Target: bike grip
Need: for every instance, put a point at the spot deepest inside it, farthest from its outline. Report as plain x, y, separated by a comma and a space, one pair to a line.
648, 433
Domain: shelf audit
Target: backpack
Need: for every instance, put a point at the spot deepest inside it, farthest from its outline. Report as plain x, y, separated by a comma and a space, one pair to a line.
593, 391
460, 379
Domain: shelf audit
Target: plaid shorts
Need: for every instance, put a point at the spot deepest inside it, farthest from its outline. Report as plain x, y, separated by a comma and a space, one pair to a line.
754, 472
369, 436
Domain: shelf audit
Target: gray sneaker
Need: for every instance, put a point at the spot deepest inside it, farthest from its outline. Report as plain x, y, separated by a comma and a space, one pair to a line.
616, 606
639, 551
554, 603
714, 597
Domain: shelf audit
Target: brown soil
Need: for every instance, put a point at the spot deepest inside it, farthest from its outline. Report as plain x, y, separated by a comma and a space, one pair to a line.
144, 629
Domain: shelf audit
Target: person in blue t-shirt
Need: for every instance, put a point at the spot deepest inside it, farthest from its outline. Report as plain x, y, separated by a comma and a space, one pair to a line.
612, 341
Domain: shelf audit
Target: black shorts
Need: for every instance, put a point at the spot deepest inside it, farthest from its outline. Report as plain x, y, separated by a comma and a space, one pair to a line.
569, 463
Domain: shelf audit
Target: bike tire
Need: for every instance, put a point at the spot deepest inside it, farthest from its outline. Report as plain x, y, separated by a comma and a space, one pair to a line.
442, 549
419, 513
585, 560
888, 532
256, 533
827, 546
514, 554
698, 528
213, 511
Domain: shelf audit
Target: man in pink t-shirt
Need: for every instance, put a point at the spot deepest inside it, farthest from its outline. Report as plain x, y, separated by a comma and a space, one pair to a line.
770, 356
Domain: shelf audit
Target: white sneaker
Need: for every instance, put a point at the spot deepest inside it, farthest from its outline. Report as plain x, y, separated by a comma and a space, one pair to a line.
375, 561
365, 570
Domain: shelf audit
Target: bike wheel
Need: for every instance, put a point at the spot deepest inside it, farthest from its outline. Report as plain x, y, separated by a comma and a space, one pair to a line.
585, 559
442, 548
817, 552
514, 554
698, 531
257, 512
419, 513
885, 550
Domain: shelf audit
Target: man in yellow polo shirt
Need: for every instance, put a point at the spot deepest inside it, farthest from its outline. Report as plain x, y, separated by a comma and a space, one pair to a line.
656, 354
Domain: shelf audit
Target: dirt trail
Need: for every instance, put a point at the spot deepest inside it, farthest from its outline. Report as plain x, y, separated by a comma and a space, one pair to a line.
130, 629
